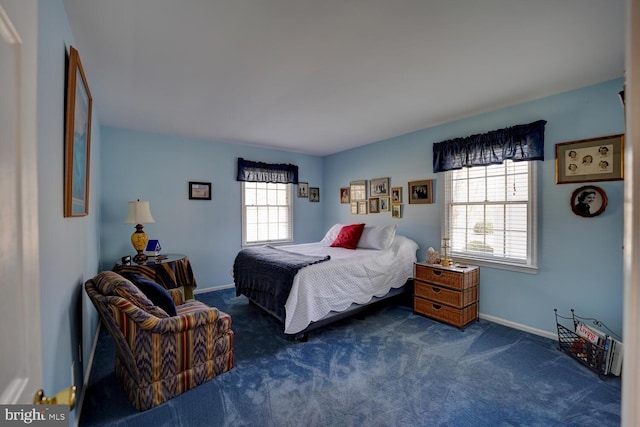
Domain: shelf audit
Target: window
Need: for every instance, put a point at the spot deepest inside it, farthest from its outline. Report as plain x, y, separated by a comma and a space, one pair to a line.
490, 215
267, 213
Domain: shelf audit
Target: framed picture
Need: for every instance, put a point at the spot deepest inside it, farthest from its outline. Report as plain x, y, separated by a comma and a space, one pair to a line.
379, 187
588, 160
314, 194
362, 207
303, 189
588, 201
374, 205
396, 194
396, 210
420, 191
199, 190
354, 208
384, 204
344, 195
358, 190
77, 141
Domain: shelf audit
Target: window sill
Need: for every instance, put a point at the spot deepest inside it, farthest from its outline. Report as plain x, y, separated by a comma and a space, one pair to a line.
272, 243
497, 265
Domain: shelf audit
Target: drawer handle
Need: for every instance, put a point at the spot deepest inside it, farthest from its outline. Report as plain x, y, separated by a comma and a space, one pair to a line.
436, 306
437, 273
436, 290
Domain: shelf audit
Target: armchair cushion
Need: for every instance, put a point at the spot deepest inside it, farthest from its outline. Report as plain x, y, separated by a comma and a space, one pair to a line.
156, 293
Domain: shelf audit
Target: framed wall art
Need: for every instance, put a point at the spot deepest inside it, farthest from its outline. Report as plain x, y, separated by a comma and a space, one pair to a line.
314, 194
589, 160
379, 187
420, 192
199, 190
344, 195
374, 205
303, 189
384, 204
588, 201
354, 208
362, 207
396, 194
396, 210
77, 141
358, 190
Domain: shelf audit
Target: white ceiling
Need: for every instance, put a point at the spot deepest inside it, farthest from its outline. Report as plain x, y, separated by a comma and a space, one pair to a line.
322, 76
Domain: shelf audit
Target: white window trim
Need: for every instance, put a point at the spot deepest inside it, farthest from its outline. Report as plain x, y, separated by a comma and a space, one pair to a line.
532, 240
266, 242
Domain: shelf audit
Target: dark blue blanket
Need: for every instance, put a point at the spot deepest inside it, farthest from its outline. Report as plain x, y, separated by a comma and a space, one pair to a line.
265, 275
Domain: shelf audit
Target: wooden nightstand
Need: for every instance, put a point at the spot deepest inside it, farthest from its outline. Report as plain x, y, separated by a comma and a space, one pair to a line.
448, 294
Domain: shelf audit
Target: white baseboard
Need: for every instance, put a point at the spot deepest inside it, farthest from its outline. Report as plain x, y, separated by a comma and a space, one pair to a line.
520, 326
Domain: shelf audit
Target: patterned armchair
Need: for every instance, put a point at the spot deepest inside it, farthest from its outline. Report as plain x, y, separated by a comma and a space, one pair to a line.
159, 356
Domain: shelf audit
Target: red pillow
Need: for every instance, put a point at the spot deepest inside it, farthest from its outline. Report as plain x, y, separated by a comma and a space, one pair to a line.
349, 236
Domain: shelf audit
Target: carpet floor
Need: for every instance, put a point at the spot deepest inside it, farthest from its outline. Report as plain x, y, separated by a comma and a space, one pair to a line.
391, 368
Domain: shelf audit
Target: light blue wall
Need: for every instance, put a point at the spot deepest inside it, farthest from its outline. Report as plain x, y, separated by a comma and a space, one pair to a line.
69, 247
580, 259
158, 168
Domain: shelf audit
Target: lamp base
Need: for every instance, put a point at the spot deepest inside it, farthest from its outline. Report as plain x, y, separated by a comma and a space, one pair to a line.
139, 241
140, 258
446, 262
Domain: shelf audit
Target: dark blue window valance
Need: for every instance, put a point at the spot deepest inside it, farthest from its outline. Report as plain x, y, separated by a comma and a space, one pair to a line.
517, 143
266, 172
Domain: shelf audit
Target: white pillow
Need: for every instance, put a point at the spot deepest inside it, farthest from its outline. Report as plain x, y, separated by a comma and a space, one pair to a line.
402, 243
377, 237
332, 233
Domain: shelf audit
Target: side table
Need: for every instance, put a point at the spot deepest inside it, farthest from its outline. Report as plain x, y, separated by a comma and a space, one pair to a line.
171, 272
448, 294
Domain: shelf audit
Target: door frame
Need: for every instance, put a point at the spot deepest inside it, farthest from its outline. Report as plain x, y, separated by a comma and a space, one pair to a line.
18, 28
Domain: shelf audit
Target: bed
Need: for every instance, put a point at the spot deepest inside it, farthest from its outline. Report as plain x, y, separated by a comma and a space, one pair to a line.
309, 285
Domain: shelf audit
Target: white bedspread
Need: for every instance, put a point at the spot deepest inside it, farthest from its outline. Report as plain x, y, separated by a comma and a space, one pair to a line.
351, 276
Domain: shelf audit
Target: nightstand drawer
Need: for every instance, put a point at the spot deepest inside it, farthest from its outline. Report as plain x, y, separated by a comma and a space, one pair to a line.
453, 316
450, 297
455, 278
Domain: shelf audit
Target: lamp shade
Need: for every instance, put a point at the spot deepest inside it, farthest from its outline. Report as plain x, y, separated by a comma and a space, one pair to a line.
139, 213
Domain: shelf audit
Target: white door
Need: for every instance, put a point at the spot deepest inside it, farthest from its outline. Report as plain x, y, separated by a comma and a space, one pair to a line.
20, 351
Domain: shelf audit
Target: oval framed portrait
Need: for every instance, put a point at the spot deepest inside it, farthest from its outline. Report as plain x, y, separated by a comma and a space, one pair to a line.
588, 201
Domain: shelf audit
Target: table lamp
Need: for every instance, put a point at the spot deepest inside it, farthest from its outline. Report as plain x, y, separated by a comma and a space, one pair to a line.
139, 213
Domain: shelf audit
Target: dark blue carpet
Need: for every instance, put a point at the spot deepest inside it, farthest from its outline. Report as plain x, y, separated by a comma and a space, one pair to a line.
392, 368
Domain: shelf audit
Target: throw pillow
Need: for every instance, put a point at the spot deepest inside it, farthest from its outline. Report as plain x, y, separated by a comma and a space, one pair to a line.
155, 292
349, 236
126, 289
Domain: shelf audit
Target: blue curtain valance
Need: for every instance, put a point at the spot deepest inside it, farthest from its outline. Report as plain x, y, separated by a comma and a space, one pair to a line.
517, 143
266, 172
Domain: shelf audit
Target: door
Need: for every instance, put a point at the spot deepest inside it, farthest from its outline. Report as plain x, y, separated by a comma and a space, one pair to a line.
20, 352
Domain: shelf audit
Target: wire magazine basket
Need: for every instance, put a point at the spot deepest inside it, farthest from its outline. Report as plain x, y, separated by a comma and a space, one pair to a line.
592, 347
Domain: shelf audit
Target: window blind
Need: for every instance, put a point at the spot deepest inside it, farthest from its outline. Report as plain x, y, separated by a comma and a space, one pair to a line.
490, 213
267, 213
